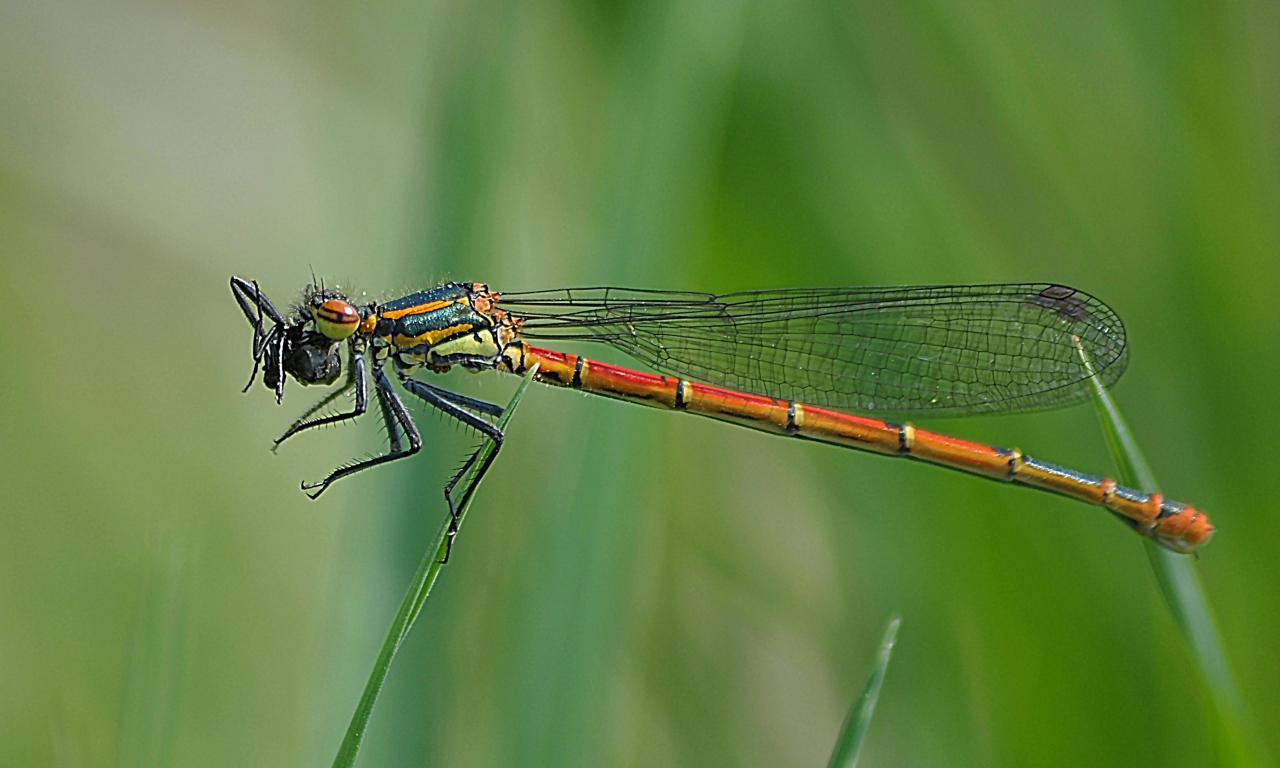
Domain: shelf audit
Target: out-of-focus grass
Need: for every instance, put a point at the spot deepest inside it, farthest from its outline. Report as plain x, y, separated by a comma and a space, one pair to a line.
156, 673
643, 588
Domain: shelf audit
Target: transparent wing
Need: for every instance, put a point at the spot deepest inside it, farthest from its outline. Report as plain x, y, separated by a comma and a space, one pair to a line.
951, 350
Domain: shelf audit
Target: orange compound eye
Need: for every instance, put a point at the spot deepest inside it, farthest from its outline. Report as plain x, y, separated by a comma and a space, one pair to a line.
336, 319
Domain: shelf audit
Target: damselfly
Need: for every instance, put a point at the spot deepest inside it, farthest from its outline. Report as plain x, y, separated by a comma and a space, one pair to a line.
785, 361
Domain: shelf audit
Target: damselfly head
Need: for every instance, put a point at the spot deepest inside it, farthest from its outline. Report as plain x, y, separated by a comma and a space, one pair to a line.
336, 319
328, 309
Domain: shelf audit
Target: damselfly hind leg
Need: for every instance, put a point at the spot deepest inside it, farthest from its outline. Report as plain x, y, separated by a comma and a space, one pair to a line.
470, 403
388, 398
444, 401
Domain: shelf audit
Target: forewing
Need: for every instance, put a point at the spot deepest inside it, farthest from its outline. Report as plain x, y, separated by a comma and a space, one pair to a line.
951, 350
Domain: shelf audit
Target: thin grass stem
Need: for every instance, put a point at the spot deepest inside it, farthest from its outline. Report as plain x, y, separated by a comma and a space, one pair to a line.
1184, 593
419, 589
849, 742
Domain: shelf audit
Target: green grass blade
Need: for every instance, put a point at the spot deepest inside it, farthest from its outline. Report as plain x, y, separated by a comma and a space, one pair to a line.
410, 607
1184, 592
849, 743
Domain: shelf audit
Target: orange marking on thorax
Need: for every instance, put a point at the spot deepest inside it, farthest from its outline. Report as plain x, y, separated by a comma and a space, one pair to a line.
421, 309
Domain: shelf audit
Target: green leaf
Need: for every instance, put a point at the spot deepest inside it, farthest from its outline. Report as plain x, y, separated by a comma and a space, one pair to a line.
1184, 593
411, 606
849, 743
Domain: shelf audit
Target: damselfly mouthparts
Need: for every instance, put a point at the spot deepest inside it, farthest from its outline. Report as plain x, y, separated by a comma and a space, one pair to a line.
784, 361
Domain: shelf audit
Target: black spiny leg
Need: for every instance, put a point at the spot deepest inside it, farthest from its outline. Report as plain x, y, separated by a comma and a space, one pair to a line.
261, 337
435, 398
253, 303
400, 417
355, 378
470, 403
395, 435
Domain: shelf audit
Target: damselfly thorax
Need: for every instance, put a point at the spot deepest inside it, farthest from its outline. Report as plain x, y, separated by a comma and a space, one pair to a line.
454, 324
787, 361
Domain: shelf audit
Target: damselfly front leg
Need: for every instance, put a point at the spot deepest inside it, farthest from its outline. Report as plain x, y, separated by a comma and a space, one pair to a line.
356, 378
400, 420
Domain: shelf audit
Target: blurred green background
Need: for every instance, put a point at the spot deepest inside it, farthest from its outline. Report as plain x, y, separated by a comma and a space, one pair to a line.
633, 588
